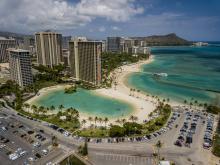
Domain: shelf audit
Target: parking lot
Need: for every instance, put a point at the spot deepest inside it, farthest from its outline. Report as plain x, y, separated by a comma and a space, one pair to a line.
21, 143
25, 140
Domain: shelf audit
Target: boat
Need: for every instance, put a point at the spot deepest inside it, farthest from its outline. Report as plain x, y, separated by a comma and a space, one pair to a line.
200, 44
160, 74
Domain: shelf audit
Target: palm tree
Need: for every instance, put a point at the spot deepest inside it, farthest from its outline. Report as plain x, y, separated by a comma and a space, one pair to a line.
115, 84
96, 118
61, 107
118, 121
106, 120
52, 108
27, 106
90, 119
123, 121
133, 118
34, 108
159, 146
191, 104
83, 122
44, 111
196, 103
76, 114
130, 91
134, 91
68, 111
100, 120
40, 109
138, 91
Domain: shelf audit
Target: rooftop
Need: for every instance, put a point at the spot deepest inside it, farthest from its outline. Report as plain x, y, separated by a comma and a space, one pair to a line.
47, 32
3, 38
18, 50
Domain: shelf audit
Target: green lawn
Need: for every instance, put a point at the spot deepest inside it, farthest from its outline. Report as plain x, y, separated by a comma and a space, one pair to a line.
94, 132
216, 141
70, 126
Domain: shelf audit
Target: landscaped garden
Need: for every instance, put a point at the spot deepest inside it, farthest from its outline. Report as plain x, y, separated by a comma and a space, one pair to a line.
130, 127
216, 141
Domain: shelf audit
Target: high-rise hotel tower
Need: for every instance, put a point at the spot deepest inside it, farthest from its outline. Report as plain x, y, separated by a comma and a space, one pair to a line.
49, 48
85, 61
20, 67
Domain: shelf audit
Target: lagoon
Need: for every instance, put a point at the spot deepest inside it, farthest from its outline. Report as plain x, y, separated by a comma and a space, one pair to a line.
86, 102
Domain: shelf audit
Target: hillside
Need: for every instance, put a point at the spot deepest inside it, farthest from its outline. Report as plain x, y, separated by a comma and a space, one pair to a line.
164, 40
11, 34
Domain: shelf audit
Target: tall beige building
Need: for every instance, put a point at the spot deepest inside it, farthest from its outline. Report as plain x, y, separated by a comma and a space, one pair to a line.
85, 61
20, 67
48, 48
4, 45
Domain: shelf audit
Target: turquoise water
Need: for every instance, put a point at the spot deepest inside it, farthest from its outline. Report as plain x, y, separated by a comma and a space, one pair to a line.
193, 72
86, 101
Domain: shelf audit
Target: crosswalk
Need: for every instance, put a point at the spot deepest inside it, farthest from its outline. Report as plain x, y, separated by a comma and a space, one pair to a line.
122, 159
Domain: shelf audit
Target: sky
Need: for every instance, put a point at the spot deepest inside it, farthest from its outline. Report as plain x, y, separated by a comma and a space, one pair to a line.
97, 19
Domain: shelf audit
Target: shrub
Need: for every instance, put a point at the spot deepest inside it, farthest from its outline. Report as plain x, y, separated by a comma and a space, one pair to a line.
132, 128
116, 131
213, 109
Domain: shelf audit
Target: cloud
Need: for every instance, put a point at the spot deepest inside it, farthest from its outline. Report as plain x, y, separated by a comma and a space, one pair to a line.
116, 10
116, 28
34, 15
102, 29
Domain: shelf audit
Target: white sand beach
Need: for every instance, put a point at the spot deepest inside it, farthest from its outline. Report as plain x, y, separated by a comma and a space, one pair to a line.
142, 105
44, 91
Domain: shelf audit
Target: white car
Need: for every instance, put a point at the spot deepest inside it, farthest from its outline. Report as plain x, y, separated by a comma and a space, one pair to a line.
4, 129
22, 153
30, 159
37, 144
2, 146
66, 133
13, 156
45, 152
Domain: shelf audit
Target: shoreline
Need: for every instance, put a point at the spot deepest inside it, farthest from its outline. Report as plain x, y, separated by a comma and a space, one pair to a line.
141, 107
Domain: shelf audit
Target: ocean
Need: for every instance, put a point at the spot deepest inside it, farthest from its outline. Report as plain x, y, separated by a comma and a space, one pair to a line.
193, 73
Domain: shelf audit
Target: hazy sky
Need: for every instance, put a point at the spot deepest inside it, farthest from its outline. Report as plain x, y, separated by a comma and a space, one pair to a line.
191, 19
